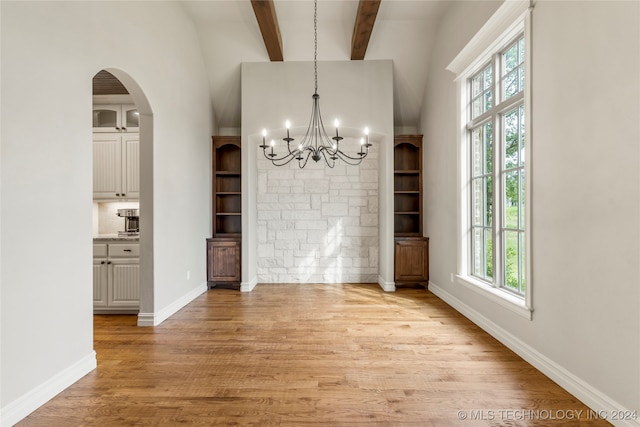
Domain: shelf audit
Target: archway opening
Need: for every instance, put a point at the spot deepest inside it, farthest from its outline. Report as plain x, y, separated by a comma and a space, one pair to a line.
123, 182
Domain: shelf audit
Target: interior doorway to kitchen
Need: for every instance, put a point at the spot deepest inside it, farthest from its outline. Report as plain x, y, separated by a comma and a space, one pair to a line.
122, 195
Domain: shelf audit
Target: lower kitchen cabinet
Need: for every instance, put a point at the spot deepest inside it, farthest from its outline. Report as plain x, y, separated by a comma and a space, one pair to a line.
223, 261
412, 260
116, 277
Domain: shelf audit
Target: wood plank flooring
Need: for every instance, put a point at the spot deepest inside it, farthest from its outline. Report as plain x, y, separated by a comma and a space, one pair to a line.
296, 355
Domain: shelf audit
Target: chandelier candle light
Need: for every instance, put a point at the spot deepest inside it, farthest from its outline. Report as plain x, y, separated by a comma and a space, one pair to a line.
316, 143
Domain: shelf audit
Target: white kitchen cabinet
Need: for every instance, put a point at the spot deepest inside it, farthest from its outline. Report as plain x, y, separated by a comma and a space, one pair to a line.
100, 280
116, 170
115, 118
125, 283
116, 277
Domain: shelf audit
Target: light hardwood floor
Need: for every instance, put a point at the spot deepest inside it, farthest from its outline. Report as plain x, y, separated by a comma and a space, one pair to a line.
295, 355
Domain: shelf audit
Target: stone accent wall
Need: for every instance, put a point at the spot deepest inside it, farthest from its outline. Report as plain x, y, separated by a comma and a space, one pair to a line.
318, 224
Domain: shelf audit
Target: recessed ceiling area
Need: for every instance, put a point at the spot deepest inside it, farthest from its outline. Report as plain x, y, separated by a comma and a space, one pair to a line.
105, 83
404, 32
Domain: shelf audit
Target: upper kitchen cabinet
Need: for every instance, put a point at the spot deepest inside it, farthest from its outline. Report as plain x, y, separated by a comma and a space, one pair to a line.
116, 174
115, 118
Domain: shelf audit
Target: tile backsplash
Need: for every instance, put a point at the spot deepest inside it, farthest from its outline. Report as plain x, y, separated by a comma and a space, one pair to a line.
105, 218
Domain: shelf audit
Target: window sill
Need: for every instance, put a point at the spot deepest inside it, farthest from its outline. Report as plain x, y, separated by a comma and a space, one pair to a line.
500, 297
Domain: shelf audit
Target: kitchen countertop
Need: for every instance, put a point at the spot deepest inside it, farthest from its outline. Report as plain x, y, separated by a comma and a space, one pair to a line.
116, 238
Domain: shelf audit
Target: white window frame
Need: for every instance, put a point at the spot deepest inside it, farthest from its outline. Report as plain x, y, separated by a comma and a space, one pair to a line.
511, 19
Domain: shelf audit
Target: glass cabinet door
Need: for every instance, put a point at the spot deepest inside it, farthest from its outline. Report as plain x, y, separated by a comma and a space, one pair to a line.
106, 118
130, 118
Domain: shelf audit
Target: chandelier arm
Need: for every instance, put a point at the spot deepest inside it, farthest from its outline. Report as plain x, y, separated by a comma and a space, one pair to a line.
343, 156
346, 158
331, 163
306, 159
286, 158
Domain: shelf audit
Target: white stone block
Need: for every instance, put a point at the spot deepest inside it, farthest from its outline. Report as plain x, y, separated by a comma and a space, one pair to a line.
358, 201
268, 215
318, 187
361, 231
294, 198
337, 199
369, 220
351, 193
265, 250
283, 225
291, 235
262, 233
335, 209
311, 225
266, 198
286, 244
281, 173
373, 204
317, 237
302, 215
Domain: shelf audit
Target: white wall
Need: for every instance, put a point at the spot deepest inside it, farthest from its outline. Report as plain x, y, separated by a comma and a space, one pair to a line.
585, 156
50, 52
359, 92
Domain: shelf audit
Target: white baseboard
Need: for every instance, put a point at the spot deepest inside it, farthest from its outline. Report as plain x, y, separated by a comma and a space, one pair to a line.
154, 319
248, 286
589, 395
386, 286
32, 400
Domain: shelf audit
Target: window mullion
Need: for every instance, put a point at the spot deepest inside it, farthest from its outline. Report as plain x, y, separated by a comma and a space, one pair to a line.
497, 175
497, 199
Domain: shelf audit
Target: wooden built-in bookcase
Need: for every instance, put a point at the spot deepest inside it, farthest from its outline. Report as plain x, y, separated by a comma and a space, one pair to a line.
223, 249
226, 187
411, 247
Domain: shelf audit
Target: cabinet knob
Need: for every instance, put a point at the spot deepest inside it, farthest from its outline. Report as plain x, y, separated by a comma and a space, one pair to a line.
102, 262
117, 128
124, 128
108, 262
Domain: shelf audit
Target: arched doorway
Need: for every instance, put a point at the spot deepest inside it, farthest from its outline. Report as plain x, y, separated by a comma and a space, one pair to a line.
119, 82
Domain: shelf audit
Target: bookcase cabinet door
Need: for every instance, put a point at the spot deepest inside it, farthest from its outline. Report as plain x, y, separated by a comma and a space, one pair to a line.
223, 261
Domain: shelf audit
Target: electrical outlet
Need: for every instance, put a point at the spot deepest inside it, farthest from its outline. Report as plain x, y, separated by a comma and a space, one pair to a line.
188, 274
451, 277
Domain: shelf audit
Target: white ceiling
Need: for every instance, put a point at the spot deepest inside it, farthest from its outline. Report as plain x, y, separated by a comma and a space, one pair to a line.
404, 32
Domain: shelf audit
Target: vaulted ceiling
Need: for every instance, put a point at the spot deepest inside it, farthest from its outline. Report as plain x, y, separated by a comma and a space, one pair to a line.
231, 32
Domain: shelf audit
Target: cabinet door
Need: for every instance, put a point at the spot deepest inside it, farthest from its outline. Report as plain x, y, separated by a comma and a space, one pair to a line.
223, 261
100, 279
107, 118
130, 119
131, 166
124, 283
107, 166
412, 260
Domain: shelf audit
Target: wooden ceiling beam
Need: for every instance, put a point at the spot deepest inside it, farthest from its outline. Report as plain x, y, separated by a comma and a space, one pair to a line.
265, 12
365, 18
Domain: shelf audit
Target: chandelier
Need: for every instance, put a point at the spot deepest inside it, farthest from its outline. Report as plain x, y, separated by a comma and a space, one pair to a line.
316, 143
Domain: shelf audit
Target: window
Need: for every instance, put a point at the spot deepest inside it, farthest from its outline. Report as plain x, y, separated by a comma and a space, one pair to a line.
493, 85
497, 235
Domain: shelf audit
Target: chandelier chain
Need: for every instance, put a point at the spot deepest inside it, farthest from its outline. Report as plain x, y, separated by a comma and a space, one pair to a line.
315, 43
